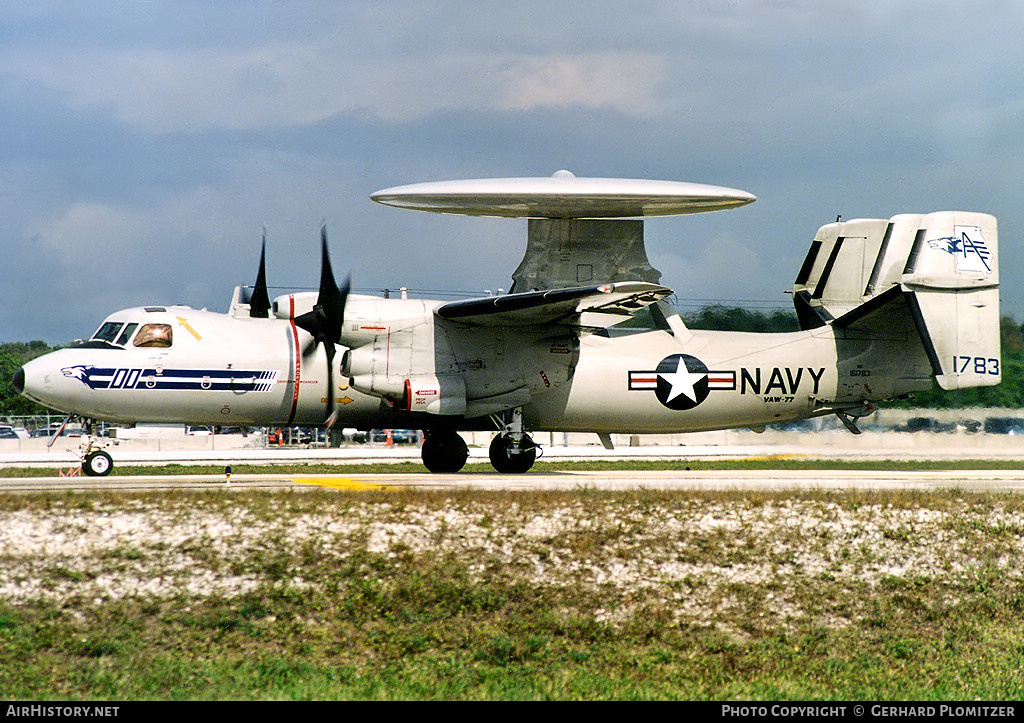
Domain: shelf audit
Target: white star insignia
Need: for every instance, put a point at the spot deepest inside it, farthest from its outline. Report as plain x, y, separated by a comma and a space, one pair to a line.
681, 381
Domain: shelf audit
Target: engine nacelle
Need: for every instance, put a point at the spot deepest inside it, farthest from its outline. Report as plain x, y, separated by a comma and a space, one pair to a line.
431, 394
379, 385
436, 394
362, 361
367, 370
288, 306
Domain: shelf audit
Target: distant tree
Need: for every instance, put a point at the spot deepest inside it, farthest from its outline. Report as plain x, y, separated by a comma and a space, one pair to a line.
733, 318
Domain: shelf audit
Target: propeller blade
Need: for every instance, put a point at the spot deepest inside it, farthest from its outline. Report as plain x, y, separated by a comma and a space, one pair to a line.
259, 304
331, 415
324, 321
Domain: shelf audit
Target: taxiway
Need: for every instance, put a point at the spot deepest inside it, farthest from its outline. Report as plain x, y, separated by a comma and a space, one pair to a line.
974, 481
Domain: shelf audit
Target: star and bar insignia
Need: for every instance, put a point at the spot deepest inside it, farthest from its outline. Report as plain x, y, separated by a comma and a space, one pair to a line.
681, 381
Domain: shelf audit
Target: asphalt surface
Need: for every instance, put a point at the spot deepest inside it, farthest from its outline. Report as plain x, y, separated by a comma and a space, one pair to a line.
967, 481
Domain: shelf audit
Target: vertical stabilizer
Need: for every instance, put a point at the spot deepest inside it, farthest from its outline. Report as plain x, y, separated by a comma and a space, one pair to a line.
953, 277
941, 269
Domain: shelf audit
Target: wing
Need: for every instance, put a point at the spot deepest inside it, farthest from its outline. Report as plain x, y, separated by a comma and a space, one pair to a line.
544, 307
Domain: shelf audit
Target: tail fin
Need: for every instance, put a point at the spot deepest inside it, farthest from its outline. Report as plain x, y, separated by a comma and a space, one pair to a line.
942, 266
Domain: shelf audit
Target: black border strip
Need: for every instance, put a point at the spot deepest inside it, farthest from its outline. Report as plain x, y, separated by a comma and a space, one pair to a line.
827, 271
876, 270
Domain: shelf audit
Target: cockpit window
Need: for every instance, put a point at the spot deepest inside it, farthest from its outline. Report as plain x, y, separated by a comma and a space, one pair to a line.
126, 334
154, 335
108, 332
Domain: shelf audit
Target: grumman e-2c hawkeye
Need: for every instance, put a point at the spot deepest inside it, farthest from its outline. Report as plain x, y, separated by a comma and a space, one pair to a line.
585, 340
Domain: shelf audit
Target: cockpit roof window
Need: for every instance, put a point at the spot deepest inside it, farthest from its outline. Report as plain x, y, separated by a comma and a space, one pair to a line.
154, 335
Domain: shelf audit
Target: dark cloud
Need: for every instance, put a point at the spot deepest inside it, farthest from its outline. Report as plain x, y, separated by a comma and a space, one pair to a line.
145, 144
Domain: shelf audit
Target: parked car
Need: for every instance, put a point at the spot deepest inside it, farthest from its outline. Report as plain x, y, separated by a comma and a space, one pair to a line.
404, 436
232, 430
1004, 425
68, 431
926, 424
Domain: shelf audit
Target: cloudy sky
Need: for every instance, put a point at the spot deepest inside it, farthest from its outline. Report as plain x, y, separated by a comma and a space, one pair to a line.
144, 145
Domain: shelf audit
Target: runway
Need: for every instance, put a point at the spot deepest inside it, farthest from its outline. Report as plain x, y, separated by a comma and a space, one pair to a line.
972, 481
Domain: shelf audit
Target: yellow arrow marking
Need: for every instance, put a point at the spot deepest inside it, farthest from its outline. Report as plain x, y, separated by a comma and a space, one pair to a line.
191, 331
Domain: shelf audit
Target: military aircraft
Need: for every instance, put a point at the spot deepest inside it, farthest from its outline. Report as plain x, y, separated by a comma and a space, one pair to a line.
586, 339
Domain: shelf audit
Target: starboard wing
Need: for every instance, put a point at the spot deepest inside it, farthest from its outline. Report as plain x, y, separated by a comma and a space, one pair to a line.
544, 307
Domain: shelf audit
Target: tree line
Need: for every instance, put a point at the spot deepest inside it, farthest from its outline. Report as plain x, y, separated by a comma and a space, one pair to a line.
1009, 393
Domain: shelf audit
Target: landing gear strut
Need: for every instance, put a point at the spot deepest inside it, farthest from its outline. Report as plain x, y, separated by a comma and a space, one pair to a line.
444, 451
512, 450
95, 461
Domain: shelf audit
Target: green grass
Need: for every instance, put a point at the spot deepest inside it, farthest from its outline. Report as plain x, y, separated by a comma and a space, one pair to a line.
854, 597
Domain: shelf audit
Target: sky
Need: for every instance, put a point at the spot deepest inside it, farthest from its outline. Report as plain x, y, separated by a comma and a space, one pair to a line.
144, 145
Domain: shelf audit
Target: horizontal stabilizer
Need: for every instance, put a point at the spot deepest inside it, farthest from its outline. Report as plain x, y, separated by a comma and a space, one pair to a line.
851, 262
543, 307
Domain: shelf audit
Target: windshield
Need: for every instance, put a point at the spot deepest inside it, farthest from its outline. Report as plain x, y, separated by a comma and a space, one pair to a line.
114, 332
126, 334
108, 332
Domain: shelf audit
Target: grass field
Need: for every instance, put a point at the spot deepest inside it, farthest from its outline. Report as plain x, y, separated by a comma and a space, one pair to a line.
314, 594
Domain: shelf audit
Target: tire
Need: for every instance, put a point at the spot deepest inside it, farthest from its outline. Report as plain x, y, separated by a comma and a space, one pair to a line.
505, 462
97, 464
444, 452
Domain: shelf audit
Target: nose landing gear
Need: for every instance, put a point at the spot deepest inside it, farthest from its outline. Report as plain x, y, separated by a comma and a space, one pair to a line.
97, 463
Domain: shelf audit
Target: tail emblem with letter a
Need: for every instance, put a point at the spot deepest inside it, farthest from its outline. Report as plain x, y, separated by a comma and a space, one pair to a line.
968, 246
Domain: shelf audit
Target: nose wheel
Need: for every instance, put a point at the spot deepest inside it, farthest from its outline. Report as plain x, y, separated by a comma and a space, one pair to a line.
95, 461
97, 464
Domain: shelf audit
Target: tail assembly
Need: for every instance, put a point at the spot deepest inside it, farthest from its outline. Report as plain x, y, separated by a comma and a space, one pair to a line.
936, 274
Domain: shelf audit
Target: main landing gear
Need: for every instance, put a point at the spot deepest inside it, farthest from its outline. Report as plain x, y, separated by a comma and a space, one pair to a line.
509, 458
444, 451
512, 450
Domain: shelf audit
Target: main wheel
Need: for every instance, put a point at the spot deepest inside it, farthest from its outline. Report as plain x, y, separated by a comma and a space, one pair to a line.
97, 464
444, 452
504, 460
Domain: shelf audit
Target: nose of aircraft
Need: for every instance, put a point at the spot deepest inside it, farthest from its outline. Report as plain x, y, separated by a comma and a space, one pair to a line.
19, 380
